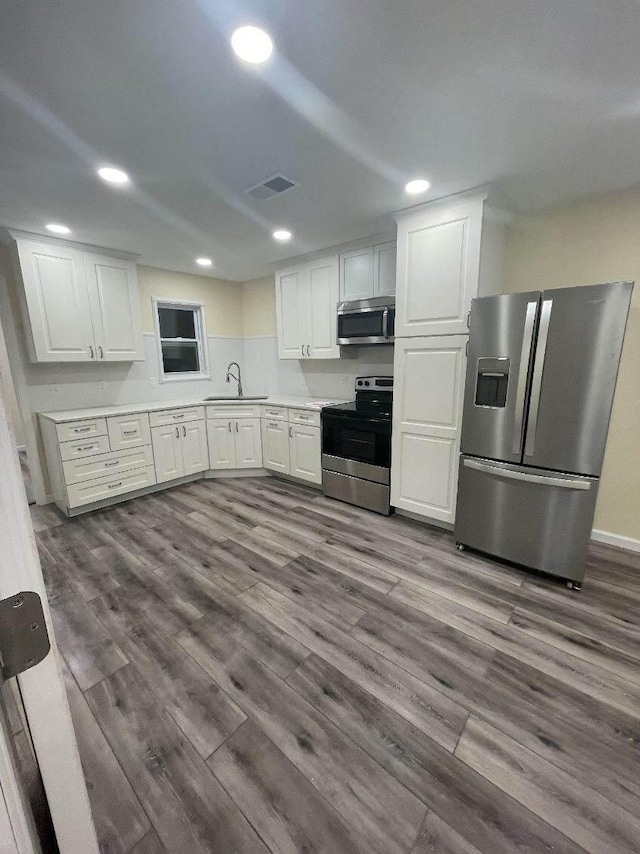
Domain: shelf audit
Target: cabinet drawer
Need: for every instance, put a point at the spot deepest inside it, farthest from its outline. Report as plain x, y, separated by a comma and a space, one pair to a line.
86, 429
176, 416
84, 448
108, 487
274, 413
300, 416
107, 464
129, 431
233, 410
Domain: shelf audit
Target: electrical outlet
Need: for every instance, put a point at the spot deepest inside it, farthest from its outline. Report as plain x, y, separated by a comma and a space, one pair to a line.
344, 380
102, 386
55, 389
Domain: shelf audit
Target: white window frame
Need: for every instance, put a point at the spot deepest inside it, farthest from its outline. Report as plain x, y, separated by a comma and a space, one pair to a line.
201, 338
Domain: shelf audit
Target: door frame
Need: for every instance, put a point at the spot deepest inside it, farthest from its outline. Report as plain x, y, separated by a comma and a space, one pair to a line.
42, 688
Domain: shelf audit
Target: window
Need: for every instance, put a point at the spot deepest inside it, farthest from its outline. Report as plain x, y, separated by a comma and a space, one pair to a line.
181, 340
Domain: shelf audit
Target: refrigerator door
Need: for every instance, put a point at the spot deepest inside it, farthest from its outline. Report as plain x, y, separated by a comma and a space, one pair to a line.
576, 363
502, 330
529, 516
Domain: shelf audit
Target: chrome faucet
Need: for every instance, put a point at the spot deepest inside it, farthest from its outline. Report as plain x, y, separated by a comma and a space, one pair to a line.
238, 378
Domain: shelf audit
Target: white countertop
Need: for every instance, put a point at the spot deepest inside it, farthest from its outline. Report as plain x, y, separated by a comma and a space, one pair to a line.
290, 401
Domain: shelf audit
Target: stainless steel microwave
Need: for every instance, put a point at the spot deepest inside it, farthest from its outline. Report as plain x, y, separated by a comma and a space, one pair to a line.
367, 321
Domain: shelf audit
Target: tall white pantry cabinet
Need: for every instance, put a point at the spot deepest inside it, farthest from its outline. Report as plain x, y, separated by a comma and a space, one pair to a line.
449, 252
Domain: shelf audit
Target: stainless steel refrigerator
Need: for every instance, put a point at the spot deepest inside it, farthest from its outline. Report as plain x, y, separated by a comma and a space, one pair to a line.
541, 374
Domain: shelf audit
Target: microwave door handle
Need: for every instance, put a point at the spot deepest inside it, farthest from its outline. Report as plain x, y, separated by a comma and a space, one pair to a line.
523, 372
385, 323
536, 383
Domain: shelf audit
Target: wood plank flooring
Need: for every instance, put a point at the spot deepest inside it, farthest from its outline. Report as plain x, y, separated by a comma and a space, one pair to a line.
253, 667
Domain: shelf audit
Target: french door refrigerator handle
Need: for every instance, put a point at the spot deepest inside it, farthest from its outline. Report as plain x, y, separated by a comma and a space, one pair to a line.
538, 369
521, 390
564, 483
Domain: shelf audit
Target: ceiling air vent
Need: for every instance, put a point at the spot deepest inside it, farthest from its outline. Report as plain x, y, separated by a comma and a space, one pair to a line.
273, 186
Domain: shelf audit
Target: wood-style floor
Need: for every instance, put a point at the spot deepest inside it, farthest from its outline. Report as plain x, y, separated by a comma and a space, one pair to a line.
253, 667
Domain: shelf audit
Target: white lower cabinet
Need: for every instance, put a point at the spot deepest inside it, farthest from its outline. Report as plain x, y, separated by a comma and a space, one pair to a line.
179, 450
304, 445
293, 446
234, 443
275, 445
427, 417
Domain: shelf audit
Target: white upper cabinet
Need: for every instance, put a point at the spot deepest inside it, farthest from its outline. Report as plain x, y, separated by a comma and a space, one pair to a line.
323, 299
368, 272
57, 303
115, 308
306, 303
292, 302
356, 274
438, 267
79, 307
384, 269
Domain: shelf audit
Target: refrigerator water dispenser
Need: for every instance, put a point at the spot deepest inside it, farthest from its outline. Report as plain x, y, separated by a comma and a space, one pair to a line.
492, 382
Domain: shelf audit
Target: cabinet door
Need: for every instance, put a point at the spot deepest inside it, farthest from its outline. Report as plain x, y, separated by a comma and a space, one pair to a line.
275, 445
427, 417
438, 268
305, 453
323, 302
57, 302
221, 441
292, 306
384, 269
115, 308
195, 451
356, 274
248, 443
167, 453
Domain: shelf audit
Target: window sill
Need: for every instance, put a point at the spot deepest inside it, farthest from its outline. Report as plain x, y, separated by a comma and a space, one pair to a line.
181, 378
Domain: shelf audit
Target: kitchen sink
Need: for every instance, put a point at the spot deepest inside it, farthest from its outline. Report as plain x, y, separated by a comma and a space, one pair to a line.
235, 397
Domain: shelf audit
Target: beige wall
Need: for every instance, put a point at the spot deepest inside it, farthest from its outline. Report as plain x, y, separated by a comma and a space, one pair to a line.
594, 241
259, 307
222, 300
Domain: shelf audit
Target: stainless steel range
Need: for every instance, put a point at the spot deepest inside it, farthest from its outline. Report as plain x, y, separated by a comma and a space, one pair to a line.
356, 446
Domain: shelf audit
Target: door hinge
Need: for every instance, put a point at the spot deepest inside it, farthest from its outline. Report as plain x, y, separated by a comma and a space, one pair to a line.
24, 640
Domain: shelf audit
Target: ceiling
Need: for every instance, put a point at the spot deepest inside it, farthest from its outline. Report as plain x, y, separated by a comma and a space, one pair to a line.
541, 99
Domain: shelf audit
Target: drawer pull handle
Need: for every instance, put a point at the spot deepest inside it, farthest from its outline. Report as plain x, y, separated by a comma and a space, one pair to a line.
115, 485
128, 432
273, 424
85, 447
81, 429
179, 416
110, 465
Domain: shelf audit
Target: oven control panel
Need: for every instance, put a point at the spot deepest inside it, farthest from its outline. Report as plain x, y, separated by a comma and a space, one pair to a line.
374, 383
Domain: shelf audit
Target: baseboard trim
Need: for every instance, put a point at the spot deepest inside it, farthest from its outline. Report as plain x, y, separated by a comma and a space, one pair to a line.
628, 543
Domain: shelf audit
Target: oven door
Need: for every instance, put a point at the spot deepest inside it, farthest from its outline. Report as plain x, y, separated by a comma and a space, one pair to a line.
366, 325
357, 446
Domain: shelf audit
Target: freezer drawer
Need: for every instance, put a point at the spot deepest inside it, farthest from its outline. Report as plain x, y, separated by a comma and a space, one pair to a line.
534, 517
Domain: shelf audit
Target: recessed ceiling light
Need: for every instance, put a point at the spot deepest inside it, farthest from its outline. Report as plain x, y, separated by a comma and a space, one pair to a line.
112, 175
282, 234
252, 44
419, 185
56, 228
204, 262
